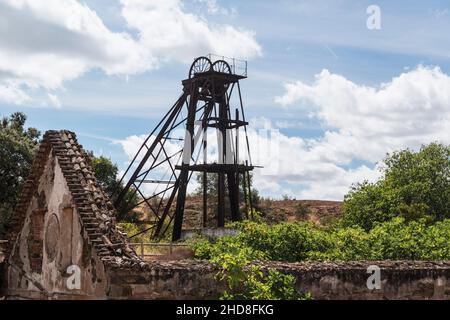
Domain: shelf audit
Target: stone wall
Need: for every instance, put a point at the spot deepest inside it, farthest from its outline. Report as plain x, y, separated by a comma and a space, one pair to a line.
2, 278
51, 241
400, 280
185, 279
208, 232
346, 280
2, 271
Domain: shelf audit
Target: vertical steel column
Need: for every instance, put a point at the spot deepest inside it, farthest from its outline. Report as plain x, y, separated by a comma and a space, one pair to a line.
205, 174
184, 174
221, 174
249, 191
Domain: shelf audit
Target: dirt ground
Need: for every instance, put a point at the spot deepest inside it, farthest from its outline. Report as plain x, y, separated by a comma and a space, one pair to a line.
273, 211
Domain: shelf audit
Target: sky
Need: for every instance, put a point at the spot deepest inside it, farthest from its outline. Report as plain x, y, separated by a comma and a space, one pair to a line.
338, 83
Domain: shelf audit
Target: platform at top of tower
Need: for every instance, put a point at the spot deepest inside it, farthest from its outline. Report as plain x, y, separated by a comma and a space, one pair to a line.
218, 76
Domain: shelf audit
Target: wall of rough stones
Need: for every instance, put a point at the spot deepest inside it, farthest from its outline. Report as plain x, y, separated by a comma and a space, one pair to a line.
346, 280
50, 242
208, 232
184, 279
400, 280
2, 279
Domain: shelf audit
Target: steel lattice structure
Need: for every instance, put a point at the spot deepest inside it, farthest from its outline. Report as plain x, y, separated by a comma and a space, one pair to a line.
204, 104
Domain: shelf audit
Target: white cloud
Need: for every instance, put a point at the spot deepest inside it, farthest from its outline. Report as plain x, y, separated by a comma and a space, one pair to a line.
54, 100
300, 167
11, 93
214, 8
363, 124
170, 33
47, 42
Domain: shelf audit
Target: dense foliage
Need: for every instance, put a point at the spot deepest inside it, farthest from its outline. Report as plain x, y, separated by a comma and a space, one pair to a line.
397, 239
106, 174
246, 280
414, 185
212, 184
18, 146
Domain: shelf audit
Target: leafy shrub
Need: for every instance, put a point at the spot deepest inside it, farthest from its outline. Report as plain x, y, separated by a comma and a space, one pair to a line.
414, 185
302, 210
18, 146
247, 281
284, 241
201, 246
131, 229
394, 239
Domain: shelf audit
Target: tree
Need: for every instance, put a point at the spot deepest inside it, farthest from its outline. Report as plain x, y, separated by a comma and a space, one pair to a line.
106, 174
17, 149
414, 185
212, 192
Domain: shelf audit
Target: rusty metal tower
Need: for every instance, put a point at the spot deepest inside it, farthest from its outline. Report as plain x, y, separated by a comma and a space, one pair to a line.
163, 166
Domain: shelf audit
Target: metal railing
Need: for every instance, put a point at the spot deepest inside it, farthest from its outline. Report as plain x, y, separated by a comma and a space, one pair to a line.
156, 248
238, 67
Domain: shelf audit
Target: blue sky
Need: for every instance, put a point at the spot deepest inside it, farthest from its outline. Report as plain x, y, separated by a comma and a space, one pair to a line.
81, 83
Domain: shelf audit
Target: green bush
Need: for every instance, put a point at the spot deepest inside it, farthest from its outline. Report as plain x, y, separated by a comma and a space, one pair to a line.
414, 185
201, 246
397, 239
131, 229
284, 241
247, 281
18, 146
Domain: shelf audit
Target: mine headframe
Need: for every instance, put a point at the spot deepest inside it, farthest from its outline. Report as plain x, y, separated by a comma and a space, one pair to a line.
163, 166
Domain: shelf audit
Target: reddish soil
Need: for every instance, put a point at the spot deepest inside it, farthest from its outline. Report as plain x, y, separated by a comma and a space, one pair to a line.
273, 211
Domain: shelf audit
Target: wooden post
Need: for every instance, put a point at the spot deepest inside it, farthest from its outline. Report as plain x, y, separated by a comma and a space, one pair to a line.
142, 250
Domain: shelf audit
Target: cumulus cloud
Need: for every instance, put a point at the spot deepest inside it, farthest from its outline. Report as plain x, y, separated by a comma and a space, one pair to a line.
214, 8
170, 33
54, 100
47, 42
11, 92
362, 124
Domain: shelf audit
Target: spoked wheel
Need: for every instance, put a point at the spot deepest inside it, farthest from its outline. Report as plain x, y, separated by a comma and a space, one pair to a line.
222, 66
200, 65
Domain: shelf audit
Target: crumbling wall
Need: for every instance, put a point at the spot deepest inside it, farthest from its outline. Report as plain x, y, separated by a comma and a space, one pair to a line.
51, 241
399, 280
185, 279
2, 278
345, 280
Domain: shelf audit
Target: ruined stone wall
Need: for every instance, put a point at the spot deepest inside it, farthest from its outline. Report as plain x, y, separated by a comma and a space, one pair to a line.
185, 279
346, 280
2, 279
51, 240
